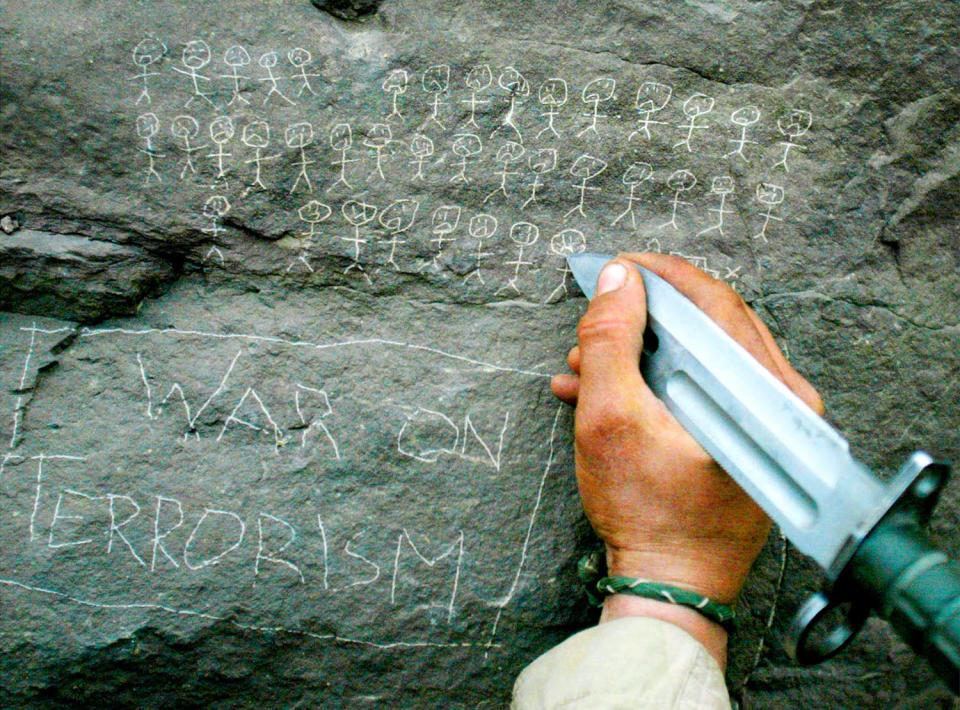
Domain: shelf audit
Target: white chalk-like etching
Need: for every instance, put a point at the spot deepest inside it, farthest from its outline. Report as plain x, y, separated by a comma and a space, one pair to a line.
397, 218
586, 167
268, 61
443, 223
563, 244
523, 234
21, 386
744, 117
221, 131
40, 458
256, 135
395, 84
301, 58
195, 56
553, 95
270, 425
313, 213
341, 139
694, 107
770, 196
274, 556
148, 51
507, 155
148, 125
794, 124
421, 147
541, 162
634, 176
213, 559
595, 92
436, 80
236, 57
215, 209
465, 146
481, 227
426, 435
513, 82
429, 562
185, 128
721, 185
479, 78
680, 181
652, 96
299, 136
357, 213
321, 410
378, 137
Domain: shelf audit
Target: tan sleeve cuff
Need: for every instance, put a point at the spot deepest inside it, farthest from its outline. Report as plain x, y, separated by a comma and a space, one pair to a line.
634, 662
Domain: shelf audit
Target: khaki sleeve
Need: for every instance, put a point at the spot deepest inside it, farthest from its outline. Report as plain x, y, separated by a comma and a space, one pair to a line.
627, 663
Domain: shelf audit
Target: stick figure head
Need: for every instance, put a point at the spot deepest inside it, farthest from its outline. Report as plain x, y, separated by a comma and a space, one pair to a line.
600, 89
637, 173
681, 180
148, 51
184, 126
341, 136
196, 54
795, 123
466, 145
396, 82
553, 92
436, 79
268, 60
482, 226
586, 167
399, 215
722, 185
314, 212
358, 212
379, 136
745, 116
256, 134
479, 77
216, 206
697, 105
509, 152
568, 241
221, 129
524, 233
445, 219
543, 160
653, 96
421, 146
769, 194
299, 57
147, 125
236, 56
298, 135
513, 81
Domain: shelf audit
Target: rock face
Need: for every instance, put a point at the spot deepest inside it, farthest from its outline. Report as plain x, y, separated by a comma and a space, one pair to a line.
285, 294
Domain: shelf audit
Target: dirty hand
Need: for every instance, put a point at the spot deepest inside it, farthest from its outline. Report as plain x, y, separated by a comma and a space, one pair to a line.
665, 510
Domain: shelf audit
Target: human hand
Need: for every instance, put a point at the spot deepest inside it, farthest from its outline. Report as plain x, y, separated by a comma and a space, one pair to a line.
665, 510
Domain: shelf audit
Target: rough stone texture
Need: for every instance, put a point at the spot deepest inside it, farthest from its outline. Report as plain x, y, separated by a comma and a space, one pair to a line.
261, 454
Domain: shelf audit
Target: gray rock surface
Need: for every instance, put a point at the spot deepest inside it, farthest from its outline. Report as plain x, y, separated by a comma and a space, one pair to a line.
285, 293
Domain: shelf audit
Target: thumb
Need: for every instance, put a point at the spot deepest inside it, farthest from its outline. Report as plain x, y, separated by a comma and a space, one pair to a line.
611, 338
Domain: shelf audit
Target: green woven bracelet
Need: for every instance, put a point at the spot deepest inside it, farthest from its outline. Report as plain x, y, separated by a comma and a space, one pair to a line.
592, 569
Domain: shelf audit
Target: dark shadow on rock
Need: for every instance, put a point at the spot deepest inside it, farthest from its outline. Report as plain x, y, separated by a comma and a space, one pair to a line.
348, 9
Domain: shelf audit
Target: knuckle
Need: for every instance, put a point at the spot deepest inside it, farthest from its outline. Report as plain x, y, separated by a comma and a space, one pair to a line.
603, 330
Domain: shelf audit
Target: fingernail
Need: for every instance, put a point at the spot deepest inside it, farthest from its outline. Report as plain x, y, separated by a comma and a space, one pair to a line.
612, 277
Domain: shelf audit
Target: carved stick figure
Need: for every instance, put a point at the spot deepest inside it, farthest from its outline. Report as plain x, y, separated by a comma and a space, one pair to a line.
694, 107
147, 126
541, 162
508, 154
679, 181
465, 146
256, 135
722, 185
600, 89
523, 234
563, 244
633, 177
422, 148
586, 167
313, 213
397, 218
186, 127
378, 138
396, 85
221, 131
770, 195
215, 209
512, 81
436, 80
553, 95
268, 60
300, 58
443, 223
743, 117
357, 213
196, 55
482, 226
299, 136
236, 57
794, 124
341, 138
478, 78
652, 96
149, 50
